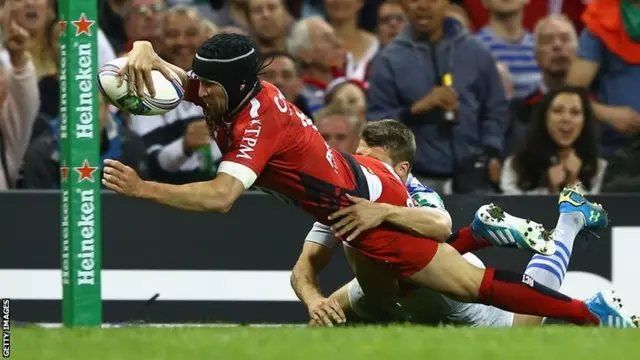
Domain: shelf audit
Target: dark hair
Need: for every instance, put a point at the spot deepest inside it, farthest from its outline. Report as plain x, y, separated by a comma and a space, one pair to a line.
268, 58
536, 155
393, 135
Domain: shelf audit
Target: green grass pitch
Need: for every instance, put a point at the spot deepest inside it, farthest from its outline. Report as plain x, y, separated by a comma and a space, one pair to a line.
351, 343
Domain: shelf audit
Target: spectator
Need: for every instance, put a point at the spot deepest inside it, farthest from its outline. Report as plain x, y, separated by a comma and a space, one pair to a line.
268, 20
623, 171
391, 20
315, 44
608, 54
232, 14
533, 12
179, 146
340, 127
209, 29
307, 8
459, 13
511, 44
41, 166
18, 98
34, 17
203, 7
142, 20
38, 17
284, 72
560, 148
182, 33
406, 84
556, 42
351, 94
111, 15
361, 46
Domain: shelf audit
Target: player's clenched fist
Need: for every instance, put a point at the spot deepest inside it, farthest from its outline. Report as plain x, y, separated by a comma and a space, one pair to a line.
121, 178
326, 312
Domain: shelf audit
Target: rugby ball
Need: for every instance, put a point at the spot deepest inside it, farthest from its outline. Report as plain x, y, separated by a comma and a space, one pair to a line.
169, 94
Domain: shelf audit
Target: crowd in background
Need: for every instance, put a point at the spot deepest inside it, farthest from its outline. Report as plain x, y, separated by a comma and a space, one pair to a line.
503, 96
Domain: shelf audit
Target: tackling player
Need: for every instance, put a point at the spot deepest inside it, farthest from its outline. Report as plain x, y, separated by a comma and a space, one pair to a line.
269, 143
394, 143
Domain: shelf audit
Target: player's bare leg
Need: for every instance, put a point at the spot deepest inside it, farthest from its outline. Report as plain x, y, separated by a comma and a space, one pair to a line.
450, 274
374, 277
382, 288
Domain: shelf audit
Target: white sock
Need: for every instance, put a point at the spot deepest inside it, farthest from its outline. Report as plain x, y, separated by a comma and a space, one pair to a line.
550, 270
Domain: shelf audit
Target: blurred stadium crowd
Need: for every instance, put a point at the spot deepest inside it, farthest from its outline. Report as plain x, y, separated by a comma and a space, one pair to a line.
504, 96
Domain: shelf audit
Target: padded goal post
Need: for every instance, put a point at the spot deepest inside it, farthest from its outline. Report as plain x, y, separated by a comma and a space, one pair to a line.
79, 164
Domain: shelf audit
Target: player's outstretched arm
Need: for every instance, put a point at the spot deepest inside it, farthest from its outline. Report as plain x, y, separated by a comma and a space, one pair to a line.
217, 195
304, 281
304, 277
364, 215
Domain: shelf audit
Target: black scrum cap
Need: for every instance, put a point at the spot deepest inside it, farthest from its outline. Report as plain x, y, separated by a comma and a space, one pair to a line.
231, 61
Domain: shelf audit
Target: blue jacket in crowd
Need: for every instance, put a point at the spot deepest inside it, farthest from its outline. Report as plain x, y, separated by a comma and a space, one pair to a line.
407, 69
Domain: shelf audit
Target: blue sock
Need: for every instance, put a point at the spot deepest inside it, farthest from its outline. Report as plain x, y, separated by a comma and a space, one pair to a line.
551, 270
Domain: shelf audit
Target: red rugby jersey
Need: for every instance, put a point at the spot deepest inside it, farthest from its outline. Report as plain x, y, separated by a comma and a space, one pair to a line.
275, 146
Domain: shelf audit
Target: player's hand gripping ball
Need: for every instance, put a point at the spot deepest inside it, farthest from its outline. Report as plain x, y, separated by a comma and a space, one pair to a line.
167, 95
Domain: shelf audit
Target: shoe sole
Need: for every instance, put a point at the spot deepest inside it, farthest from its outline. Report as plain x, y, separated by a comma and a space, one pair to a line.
537, 238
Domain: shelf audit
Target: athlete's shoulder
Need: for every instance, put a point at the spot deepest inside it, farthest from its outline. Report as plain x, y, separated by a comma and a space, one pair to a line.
263, 108
422, 194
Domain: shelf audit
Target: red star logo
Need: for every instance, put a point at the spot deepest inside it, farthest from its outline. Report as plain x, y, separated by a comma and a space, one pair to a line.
63, 27
83, 25
64, 173
86, 171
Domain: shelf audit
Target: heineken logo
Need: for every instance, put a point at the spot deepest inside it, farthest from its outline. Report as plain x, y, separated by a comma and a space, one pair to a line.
62, 79
86, 226
84, 79
86, 171
83, 26
65, 237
